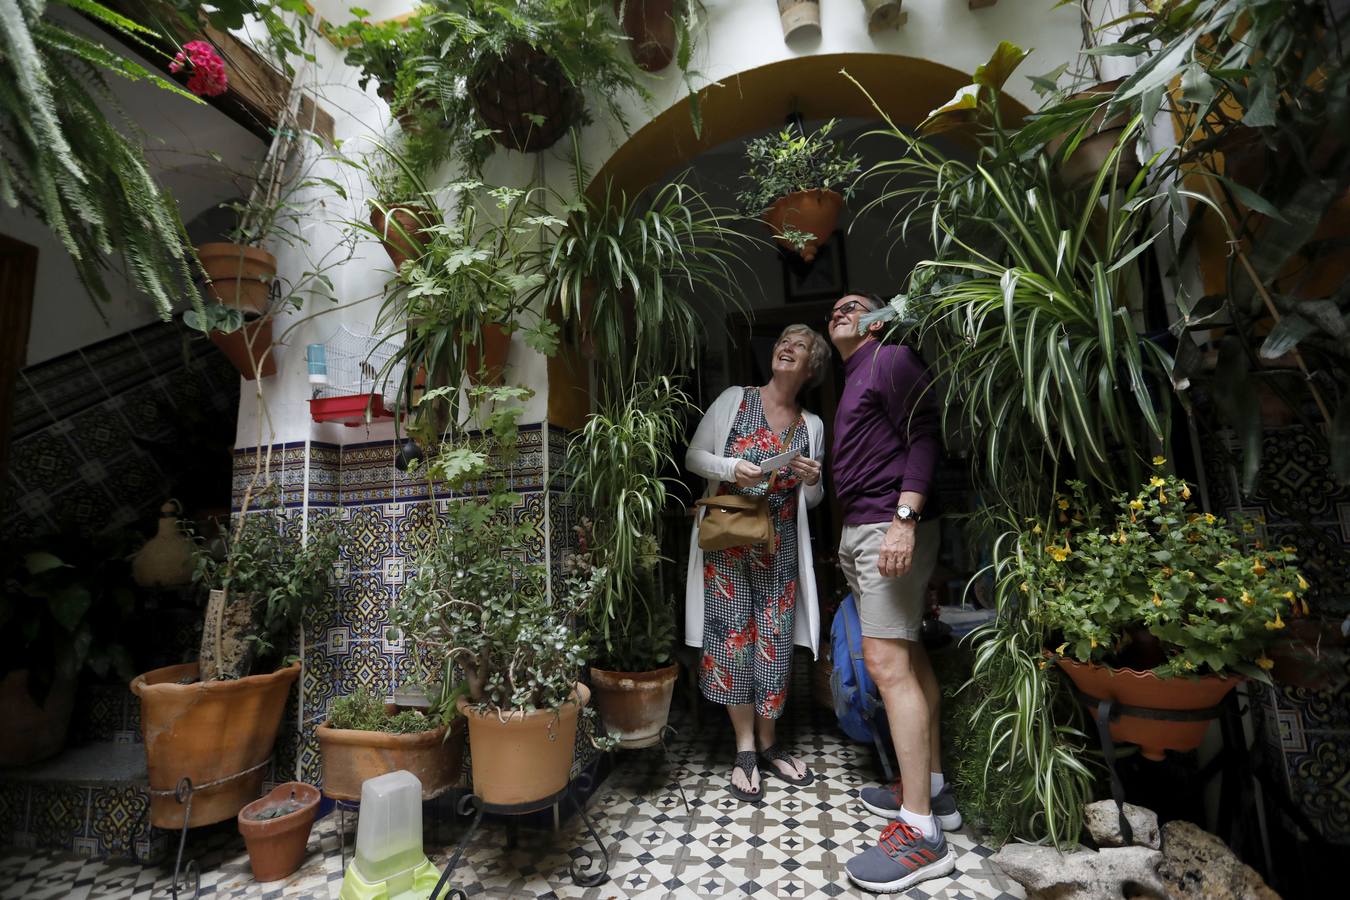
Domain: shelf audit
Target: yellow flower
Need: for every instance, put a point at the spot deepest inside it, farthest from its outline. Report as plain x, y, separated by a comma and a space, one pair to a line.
1276, 625
1059, 651
1162, 498
1059, 554
1159, 460
1185, 492
1155, 481
1264, 662
1157, 601
1136, 504
1037, 529
1302, 584
1094, 643
1042, 664
1024, 587
1247, 599
1258, 567
1063, 504
1209, 518
1187, 664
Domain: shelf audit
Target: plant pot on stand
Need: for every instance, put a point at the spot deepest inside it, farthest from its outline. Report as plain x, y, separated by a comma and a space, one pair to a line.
351, 757
276, 829
521, 87
634, 706
522, 758
813, 212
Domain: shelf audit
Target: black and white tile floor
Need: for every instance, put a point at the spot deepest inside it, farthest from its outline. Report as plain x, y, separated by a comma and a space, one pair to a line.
793, 844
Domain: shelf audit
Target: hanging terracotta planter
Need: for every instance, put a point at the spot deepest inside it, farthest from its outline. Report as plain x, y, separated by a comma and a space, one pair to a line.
488, 355
33, 732
634, 706
276, 829
1144, 690
400, 227
238, 276
1101, 137
799, 17
522, 758
815, 212
235, 345
650, 28
521, 87
208, 731
351, 756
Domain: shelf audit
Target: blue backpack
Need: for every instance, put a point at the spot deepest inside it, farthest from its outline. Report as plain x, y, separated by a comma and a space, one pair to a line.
857, 705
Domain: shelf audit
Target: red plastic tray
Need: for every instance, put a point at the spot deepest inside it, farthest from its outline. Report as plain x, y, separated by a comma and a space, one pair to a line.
349, 410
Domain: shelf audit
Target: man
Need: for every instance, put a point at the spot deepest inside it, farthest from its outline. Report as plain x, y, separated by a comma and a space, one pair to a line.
886, 447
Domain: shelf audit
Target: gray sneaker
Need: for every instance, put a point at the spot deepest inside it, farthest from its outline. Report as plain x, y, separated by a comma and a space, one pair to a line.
885, 801
900, 859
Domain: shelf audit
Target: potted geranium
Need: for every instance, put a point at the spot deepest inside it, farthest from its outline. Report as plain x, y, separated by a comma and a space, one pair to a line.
1157, 606
215, 720
798, 182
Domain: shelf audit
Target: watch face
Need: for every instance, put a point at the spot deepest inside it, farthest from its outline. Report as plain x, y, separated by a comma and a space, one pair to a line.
904, 512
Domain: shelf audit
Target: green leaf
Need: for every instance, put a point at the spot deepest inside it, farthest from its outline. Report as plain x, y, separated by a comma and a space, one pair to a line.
1006, 58
69, 605
1285, 336
1260, 111
40, 561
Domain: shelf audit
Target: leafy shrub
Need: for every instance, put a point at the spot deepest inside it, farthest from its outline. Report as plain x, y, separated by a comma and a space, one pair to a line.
792, 161
363, 711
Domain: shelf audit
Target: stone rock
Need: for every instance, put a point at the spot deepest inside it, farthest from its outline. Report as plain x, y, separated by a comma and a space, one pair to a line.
1082, 874
1196, 865
1103, 823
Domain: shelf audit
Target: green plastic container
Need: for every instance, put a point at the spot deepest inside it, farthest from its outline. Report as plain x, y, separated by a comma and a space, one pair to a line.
390, 863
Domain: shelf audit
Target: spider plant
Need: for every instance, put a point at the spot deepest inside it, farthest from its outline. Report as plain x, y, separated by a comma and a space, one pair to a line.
67, 159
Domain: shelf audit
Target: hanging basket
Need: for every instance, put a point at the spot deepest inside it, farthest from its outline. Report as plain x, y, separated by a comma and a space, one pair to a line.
815, 212
238, 276
649, 26
517, 89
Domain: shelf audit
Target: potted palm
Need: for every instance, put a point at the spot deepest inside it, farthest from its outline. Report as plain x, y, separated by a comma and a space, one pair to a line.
798, 183
214, 721
619, 460
1157, 606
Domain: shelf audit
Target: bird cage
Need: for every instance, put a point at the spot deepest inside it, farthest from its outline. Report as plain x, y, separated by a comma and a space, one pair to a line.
348, 377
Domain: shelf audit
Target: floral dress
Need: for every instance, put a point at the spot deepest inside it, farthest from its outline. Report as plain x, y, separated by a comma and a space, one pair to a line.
750, 594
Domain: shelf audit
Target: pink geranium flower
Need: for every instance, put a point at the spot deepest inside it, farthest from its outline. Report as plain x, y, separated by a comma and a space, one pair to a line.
207, 73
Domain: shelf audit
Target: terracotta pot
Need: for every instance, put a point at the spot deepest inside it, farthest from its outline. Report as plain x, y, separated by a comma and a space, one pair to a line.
494, 344
238, 276
650, 28
235, 345
208, 731
634, 706
401, 230
799, 17
522, 758
1102, 136
816, 212
1147, 691
509, 91
33, 732
276, 846
350, 757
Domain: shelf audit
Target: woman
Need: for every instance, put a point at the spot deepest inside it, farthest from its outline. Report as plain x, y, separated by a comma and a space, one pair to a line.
745, 605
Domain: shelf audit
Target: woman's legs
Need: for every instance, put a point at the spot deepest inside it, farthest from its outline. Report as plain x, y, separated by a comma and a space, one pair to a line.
744, 721
727, 676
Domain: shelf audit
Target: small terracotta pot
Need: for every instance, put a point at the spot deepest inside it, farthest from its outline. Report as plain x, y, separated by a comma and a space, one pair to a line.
522, 758
238, 276
1147, 691
799, 17
634, 706
350, 757
208, 731
650, 28
521, 86
494, 344
400, 228
276, 847
1102, 136
33, 732
235, 345
816, 212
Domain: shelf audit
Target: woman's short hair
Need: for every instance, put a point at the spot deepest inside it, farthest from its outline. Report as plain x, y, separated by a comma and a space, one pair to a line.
818, 348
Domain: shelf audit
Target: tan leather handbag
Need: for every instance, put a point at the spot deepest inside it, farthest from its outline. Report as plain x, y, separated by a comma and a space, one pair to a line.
738, 520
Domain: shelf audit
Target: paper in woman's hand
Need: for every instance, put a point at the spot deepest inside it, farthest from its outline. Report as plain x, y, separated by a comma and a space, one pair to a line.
777, 462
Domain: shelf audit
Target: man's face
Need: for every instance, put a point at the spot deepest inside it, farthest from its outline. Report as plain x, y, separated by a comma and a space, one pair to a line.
844, 316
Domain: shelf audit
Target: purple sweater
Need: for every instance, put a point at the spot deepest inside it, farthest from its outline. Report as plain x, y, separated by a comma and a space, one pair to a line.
886, 432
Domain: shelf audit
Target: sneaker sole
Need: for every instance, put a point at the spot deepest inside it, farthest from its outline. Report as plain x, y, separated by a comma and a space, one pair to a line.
949, 822
935, 869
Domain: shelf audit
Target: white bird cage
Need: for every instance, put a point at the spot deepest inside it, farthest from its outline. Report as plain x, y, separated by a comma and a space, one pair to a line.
347, 372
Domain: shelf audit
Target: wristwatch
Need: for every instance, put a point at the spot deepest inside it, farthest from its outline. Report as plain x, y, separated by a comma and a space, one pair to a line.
906, 513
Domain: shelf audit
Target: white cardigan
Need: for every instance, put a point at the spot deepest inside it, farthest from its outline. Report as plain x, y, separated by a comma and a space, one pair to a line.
705, 458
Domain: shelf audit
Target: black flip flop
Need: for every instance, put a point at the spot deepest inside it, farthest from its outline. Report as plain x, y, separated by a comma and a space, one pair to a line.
770, 755
745, 761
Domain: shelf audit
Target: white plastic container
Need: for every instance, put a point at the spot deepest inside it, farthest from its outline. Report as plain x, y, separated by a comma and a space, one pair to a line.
389, 863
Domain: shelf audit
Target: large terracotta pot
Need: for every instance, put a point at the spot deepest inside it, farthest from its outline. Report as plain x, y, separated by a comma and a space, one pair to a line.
276, 842
509, 92
489, 354
33, 732
400, 229
650, 28
816, 212
1100, 139
350, 757
235, 346
208, 731
634, 706
238, 276
1145, 690
522, 758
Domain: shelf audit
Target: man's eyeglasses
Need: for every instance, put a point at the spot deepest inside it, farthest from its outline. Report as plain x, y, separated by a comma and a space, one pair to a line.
845, 310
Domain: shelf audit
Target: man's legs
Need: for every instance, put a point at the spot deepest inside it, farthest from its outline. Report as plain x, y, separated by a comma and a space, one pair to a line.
909, 691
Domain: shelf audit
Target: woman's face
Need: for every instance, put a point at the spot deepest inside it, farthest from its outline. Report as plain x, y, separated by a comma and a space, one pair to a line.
792, 355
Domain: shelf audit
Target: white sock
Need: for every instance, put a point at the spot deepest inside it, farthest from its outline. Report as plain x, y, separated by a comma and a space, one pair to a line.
935, 783
927, 824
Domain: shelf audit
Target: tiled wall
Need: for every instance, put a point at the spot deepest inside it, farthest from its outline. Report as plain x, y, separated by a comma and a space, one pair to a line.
1307, 733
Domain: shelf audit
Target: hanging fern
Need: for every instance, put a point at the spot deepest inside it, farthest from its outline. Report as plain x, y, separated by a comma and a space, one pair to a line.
69, 155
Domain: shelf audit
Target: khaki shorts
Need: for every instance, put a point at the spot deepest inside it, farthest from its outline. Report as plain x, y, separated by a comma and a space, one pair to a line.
888, 607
